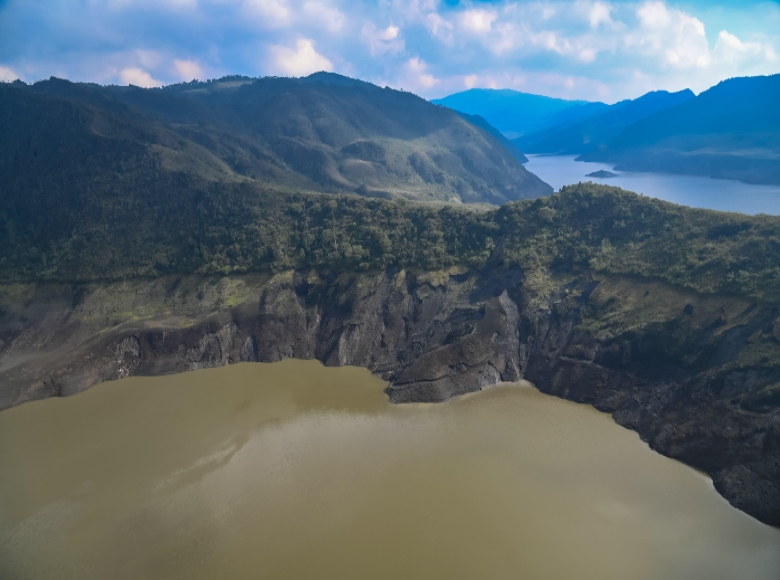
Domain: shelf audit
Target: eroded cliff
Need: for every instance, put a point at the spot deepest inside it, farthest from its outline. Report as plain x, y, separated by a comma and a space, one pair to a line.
697, 375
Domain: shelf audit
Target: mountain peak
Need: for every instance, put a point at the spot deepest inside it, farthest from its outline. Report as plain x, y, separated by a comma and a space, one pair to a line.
323, 133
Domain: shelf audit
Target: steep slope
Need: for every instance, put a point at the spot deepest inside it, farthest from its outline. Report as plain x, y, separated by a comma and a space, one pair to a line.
323, 133
596, 131
729, 131
665, 316
480, 122
515, 114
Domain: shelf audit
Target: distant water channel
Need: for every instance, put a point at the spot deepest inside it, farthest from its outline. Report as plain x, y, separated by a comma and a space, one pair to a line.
296, 471
720, 194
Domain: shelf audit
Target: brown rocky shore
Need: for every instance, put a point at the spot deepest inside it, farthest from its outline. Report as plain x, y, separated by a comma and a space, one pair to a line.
697, 376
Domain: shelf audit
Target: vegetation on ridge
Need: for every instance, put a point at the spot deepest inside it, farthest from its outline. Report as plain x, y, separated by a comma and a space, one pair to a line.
323, 133
182, 227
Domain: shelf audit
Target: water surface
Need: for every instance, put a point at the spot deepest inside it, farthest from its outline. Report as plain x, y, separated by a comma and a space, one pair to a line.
296, 471
720, 194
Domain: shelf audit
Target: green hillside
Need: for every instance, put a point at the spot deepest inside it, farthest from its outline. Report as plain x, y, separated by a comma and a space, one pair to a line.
178, 225
322, 133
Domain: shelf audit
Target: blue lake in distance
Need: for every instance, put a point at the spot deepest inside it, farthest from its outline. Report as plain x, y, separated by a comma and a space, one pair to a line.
719, 194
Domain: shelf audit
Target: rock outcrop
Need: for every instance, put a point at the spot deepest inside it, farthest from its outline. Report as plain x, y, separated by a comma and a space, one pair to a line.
697, 376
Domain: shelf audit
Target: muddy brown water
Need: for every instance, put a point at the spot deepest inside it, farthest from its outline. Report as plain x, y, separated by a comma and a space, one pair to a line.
296, 471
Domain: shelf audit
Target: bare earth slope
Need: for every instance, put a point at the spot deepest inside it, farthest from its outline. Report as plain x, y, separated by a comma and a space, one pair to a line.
696, 375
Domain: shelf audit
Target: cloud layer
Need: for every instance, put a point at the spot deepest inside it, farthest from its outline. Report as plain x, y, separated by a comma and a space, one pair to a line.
593, 49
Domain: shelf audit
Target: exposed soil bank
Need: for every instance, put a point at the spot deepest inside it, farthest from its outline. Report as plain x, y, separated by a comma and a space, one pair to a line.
698, 376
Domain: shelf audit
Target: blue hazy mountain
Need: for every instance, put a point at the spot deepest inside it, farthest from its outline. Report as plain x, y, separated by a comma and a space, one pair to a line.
516, 114
730, 131
596, 131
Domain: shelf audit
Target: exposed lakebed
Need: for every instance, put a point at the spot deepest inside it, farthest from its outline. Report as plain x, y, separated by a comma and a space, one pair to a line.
294, 470
690, 190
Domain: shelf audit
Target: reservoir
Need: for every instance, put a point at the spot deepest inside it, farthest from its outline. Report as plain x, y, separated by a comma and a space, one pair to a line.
293, 470
693, 191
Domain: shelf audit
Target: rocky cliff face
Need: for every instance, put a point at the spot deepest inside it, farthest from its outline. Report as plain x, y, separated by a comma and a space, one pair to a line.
698, 376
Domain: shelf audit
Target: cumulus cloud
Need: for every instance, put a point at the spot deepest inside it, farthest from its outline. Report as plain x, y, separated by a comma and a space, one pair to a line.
440, 28
478, 21
381, 41
678, 36
734, 51
7, 74
268, 13
299, 61
597, 49
138, 77
188, 70
417, 74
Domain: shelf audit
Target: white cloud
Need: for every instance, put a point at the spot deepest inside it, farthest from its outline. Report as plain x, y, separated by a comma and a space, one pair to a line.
599, 13
414, 76
7, 74
440, 28
587, 55
381, 41
679, 37
138, 77
188, 70
547, 12
325, 16
733, 51
429, 46
477, 20
268, 13
148, 58
299, 61
539, 82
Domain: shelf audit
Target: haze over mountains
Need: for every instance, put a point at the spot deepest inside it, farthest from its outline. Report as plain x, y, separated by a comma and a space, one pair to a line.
322, 133
596, 131
729, 131
516, 114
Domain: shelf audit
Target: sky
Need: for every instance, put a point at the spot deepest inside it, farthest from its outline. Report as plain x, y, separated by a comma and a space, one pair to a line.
577, 49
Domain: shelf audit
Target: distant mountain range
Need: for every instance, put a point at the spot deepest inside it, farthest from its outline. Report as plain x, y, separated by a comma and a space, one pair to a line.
516, 114
596, 131
730, 131
323, 133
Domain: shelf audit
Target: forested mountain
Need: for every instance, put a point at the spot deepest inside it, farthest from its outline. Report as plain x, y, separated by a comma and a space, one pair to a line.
595, 132
515, 113
156, 231
729, 131
323, 133
482, 123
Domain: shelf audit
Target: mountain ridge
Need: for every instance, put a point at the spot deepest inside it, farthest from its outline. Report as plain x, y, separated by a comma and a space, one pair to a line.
515, 113
595, 132
666, 317
323, 133
729, 131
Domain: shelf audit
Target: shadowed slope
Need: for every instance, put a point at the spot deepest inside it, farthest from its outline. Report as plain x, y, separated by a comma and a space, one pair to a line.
594, 133
324, 133
729, 131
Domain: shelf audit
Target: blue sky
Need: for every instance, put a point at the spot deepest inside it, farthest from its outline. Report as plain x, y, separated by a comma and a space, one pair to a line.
588, 49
